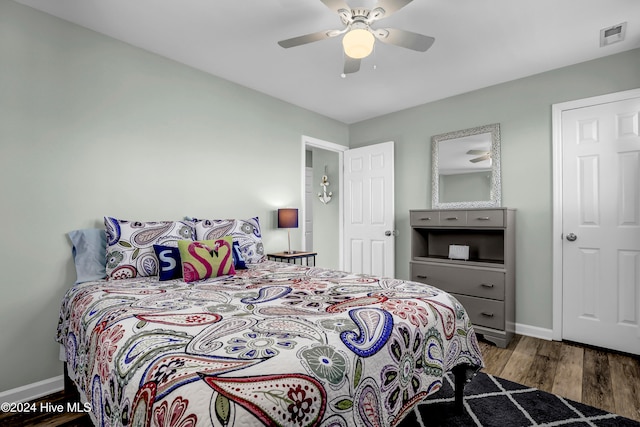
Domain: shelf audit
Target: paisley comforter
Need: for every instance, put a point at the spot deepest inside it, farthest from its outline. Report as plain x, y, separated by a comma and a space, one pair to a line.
276, 344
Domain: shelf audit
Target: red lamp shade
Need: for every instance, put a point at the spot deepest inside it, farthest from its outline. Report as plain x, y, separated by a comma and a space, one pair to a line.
288, 218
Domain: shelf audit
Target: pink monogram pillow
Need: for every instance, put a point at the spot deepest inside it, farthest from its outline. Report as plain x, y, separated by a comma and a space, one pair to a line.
202, 259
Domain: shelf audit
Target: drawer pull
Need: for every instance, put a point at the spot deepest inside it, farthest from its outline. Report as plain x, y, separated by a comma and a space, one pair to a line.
486, 285
426, 218
421, 276
452, 218
483, 218
487, 314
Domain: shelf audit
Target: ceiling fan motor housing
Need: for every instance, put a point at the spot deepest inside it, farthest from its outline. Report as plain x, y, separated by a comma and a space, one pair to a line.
360, 14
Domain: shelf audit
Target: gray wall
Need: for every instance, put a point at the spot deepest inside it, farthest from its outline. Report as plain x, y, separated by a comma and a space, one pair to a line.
523, 109
89, 127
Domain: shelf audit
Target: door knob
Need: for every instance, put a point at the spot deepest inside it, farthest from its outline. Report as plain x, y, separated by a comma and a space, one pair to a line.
571, 237
391, 233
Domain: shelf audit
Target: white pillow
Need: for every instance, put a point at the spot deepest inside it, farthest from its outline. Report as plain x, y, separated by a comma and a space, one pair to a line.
130, 245
245, 232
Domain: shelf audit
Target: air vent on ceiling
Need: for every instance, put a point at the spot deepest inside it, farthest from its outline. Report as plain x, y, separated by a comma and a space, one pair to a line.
613, 34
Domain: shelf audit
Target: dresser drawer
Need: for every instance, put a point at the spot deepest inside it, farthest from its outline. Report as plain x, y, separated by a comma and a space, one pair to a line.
483, 312
453, 218
476, 282
486, 218
424, 218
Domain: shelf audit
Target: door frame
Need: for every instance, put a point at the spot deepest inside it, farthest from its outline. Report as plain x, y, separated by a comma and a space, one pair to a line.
557, 232
310, 142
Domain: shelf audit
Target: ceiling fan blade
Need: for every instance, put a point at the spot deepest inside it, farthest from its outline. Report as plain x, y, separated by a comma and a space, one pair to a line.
403, 38
351, 65
480, 159
385, 8
477, 152
309, 38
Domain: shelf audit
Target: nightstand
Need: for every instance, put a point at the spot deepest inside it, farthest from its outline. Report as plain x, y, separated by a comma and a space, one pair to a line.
291, 258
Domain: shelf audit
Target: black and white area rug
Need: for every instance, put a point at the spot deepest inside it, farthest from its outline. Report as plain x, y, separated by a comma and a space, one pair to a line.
495, 402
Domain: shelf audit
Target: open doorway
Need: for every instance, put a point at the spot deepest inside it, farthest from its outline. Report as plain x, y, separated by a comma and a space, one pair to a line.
322, 223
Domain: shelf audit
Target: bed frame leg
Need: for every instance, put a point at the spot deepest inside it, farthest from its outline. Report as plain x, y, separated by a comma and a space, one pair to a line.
70, 389
460, 379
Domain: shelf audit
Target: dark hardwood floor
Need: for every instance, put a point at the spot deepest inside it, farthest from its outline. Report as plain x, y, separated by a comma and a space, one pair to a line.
596, 377
606, 380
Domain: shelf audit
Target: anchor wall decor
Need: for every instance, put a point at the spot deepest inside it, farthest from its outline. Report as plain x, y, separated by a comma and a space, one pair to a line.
324, 183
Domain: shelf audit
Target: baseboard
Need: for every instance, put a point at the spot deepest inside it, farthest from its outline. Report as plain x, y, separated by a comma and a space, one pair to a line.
33, 391
534, 331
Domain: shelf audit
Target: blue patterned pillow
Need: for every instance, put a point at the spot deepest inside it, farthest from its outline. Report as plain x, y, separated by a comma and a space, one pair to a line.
130, 245
169, 262
238, 259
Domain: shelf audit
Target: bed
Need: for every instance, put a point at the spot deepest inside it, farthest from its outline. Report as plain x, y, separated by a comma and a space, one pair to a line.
271, 344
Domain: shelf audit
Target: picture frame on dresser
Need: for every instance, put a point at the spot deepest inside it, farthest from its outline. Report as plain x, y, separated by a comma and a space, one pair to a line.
484, 282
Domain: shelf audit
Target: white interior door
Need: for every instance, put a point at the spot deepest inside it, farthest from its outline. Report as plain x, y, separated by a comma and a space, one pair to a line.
601, 225
369, 210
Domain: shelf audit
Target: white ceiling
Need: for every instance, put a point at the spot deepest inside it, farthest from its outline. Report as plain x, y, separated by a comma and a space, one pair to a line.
479, 43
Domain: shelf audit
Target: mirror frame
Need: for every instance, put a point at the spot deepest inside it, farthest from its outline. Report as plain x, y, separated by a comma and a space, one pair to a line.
496, 185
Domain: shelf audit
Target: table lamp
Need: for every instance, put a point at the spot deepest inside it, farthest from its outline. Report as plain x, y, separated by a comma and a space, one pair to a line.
288, 218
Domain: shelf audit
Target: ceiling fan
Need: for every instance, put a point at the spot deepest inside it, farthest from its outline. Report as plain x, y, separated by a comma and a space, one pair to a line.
482, 155
359, 37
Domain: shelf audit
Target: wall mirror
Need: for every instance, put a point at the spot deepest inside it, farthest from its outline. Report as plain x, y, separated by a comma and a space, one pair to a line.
466, 168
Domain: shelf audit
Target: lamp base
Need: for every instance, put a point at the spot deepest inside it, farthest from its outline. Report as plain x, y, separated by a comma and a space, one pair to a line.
289, 252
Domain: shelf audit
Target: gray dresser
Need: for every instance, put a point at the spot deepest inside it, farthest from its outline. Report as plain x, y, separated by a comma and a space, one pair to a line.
485, 282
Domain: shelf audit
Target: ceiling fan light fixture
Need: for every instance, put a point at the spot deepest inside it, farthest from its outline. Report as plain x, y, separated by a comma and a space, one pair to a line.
358, 43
